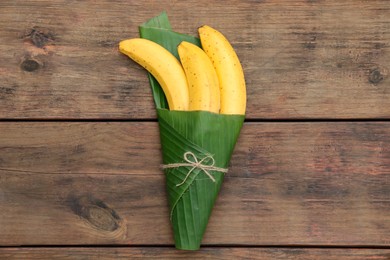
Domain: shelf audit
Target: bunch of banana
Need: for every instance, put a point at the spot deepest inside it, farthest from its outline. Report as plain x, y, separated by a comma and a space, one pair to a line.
211, 79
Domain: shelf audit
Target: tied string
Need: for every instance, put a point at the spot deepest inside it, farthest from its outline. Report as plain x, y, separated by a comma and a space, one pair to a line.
192, 161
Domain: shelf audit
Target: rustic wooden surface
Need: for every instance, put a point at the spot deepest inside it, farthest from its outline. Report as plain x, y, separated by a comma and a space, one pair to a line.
302, 59
100, 183
79, 145
204, 253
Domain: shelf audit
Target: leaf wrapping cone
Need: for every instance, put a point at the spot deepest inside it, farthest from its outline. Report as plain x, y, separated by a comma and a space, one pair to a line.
202, 134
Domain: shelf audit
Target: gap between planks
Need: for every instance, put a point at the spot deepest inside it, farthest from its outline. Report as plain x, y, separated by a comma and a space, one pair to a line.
127, 120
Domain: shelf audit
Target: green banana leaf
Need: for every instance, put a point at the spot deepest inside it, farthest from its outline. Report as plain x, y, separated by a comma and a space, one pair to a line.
208, 137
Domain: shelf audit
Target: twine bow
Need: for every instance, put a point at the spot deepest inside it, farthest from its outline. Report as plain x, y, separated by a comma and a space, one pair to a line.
192, 161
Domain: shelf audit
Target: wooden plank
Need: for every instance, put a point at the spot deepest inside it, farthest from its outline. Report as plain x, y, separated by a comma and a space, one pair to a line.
288, 184
302, 59
204, 253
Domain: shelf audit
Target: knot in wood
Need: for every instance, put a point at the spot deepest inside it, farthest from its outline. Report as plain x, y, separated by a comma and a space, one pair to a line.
39, 36
375, 76
30, 65
95, 212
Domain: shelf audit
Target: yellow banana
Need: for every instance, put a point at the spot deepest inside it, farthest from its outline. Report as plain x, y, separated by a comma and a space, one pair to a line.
202, 79
163, 66
229, 70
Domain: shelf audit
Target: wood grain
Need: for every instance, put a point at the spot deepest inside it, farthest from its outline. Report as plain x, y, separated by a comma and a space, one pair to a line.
97, 183
208, 253
302, 59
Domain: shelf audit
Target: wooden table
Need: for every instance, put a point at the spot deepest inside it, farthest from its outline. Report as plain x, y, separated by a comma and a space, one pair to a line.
79, 141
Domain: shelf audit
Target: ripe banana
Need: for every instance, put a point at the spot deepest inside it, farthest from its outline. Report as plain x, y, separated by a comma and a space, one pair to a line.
163, 66
202, 79
229, 70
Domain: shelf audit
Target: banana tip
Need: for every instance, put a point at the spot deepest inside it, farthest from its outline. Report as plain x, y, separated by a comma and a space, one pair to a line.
200, 28
121, 44
204, 27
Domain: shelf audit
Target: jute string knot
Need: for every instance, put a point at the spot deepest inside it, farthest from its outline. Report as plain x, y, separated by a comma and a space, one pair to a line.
206, 164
